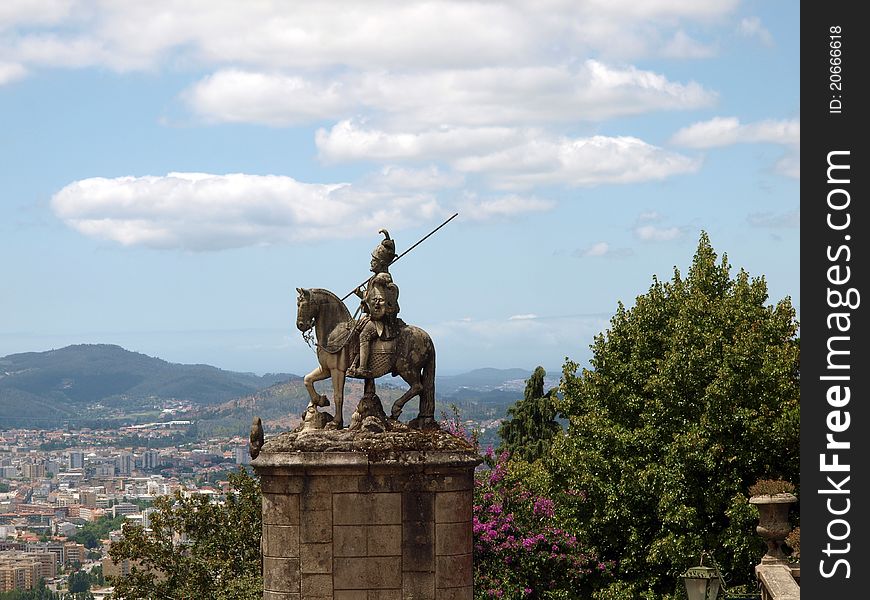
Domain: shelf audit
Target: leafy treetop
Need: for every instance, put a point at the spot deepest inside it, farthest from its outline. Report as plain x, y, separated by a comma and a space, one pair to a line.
529, 431
196, 548
692, 396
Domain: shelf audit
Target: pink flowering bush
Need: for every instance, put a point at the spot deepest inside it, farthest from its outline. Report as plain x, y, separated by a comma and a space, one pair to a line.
520, 550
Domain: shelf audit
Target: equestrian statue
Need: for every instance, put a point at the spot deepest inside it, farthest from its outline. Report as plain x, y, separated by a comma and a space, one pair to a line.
376, 344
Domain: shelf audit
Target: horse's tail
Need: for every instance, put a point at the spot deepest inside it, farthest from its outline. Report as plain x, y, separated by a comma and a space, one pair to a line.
427, 395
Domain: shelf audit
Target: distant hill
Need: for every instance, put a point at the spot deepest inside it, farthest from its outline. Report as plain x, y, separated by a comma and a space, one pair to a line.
480, 405
480, 395
479, 379
91, 384
280, 406
485, 380
45, 387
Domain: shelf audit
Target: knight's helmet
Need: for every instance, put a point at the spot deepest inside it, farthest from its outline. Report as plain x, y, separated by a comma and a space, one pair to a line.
385, 252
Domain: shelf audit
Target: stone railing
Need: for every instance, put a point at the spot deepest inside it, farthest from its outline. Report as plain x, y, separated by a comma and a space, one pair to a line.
778, 582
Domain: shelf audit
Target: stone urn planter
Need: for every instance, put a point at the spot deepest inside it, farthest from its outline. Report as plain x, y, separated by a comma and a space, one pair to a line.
773, 525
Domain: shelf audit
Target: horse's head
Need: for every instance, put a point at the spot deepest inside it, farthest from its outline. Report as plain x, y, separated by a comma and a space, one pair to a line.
306, 310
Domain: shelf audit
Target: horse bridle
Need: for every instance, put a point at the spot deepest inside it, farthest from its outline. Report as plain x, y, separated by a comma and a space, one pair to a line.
311, 339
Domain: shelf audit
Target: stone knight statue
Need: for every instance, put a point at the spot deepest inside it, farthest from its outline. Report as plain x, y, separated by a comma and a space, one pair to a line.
387, 345
380, 304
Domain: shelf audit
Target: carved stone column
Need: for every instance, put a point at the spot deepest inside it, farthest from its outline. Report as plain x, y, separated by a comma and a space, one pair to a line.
364, 516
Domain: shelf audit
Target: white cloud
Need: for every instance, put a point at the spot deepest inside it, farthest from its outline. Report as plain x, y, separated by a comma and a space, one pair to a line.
790, 165
724, 131
787, 220
522, 317
247, 97
515, 158
52, 50
578, 162
353, 34
28, 12
485, 209
751, 27
199, 211
640, 27
344, 33
649, 216
636, 87
659, 9
10, 72
399, 178
602, 250
347, 141
597, 249
473, 97
484, 90
651, 233
646, 230
681, 45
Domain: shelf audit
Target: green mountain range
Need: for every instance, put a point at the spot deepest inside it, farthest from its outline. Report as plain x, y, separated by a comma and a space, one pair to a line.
94, 381
99, 384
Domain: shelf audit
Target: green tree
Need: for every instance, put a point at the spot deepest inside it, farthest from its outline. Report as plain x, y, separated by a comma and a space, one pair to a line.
41, 592
531, 426
91, 533
97, 578
693, 395
196, 548
78, 581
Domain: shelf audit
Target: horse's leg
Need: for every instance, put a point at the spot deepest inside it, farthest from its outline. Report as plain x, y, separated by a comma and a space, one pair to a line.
412, 378
318, 374
338, 376
426, 418
427, 395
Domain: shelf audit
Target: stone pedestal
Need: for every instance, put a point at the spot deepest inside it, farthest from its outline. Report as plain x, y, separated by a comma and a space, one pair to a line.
367, 516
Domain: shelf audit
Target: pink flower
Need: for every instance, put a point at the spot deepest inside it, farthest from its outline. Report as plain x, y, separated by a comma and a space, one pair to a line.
544, 507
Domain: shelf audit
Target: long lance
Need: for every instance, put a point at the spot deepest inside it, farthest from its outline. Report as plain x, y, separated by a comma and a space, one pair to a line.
395, 260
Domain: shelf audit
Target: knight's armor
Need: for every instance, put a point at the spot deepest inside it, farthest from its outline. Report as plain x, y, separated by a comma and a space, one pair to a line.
380, 303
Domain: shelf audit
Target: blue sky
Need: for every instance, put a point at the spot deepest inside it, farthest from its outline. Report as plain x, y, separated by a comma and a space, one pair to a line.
172, 170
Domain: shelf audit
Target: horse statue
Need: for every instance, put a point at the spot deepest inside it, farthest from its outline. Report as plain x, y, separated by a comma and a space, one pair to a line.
410, 355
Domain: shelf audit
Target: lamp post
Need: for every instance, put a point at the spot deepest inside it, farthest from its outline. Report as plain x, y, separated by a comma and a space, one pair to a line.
706, 583
702, 582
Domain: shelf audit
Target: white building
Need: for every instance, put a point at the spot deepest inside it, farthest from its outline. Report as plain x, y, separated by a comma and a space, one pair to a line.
124, 463
125, 508
241, 455
76, 460
151, 460
146, 517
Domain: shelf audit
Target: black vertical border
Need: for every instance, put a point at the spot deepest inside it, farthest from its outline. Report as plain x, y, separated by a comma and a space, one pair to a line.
823, 131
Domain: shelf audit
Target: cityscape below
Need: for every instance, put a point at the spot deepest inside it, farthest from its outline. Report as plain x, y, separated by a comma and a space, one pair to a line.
69, 479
